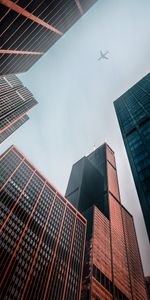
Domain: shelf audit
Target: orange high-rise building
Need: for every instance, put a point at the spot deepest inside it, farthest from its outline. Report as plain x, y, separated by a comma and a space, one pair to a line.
112, 266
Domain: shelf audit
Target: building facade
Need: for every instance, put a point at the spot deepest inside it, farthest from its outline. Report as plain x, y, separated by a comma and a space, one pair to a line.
29, 28
16, 100
42, 234
133, 113
112, 265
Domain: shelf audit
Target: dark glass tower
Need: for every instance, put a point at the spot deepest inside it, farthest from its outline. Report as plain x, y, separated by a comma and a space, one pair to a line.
42, 235
112, 265
29, 28
133, 113
16, 100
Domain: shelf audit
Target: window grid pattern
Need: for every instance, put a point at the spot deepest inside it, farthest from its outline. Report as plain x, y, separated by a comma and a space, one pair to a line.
16, 101
57, 284
13, 127
8, 165
39, 228
15, 114
107, 267
119, 257
73, 283
133, 112
102, 250
108, 285
135, 265
27, 35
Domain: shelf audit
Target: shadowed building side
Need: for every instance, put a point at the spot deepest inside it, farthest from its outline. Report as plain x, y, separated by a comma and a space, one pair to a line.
133, 113
29, 28
42, 235
86, 187
16, 100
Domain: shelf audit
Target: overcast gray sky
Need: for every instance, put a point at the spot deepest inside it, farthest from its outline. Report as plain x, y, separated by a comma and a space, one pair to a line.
76, 93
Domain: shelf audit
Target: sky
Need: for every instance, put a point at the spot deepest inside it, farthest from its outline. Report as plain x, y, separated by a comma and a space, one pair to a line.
75, 92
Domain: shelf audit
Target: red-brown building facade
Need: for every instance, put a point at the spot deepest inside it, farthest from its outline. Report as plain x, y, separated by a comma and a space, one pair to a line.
42, 235
112, 266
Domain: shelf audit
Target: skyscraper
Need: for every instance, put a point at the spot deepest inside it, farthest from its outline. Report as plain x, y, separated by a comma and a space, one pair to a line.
29, 28
42, 234
112, 265
133, 113
16, 100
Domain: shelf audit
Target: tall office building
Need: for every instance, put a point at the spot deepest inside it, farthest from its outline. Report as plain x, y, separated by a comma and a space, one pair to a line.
112, 265
29, 28
16, 101
42, 235
133, 113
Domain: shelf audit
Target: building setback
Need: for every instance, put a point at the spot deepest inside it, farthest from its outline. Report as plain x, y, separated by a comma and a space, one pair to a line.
29, 28
112, 265
43, 236
16, 100
133, 113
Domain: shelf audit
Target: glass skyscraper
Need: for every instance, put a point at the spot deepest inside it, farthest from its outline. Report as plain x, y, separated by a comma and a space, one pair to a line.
29, 28
16, 100
42, 235
112, 264
133, 113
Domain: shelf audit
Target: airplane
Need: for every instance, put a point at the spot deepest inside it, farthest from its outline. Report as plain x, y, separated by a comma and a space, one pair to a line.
103, 55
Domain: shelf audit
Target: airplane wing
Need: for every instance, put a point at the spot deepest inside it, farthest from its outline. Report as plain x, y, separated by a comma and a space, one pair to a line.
103, 55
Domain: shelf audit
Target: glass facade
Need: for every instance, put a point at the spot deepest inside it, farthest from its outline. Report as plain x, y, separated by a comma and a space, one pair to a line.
112, 264
29, 28
42, 235
133, 112
16, 101
13, 127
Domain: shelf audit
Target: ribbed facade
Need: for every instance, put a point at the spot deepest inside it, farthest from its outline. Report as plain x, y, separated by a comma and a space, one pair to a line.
42, 235
112, 265
134, 260
16, 100
101, 277
29, 28
133, 113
